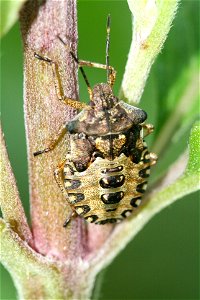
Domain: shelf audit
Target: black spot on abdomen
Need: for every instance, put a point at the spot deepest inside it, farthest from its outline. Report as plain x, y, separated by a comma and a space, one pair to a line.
92, 218
144, 173
112, 181
112, 220
141, 188
112, 170
71, 183
82, 210
135, 202
75, 197
112, 198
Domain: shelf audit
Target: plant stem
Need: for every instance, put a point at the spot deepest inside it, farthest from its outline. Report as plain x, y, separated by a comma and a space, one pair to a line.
44, 115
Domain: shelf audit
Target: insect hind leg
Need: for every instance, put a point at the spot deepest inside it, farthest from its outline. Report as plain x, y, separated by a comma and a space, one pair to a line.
71, 215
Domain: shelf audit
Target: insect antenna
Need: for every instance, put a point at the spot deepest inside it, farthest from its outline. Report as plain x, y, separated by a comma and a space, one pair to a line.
108, 47
81, 68
108, 81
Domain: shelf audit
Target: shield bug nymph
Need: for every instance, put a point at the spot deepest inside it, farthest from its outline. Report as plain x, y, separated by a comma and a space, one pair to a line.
104, 173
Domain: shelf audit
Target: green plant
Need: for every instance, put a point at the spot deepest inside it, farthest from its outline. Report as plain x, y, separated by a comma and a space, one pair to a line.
49, 273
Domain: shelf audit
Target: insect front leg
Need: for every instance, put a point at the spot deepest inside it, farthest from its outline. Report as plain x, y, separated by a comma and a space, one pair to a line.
57, 83
112, 74
111, 71
54, 142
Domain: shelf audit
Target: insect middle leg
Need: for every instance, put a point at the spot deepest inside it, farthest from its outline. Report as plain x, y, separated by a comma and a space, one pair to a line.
54, 142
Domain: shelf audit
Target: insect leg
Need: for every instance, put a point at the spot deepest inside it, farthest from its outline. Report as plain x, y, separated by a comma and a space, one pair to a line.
54, 142
147, 129
57, 83
112, 74
71, 215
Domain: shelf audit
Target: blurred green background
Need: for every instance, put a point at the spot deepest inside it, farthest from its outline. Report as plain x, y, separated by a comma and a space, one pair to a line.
162, 262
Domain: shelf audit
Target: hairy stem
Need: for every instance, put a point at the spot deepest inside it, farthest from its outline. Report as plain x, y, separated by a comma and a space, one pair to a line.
44, 115
151, 24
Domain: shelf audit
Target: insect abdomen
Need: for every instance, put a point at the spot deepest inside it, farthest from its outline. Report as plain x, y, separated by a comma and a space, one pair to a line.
109, 191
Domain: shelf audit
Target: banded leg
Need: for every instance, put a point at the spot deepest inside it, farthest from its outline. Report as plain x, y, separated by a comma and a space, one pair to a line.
54, 142
57, 83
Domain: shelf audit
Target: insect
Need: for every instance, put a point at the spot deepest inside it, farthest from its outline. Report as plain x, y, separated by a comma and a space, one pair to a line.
104, 173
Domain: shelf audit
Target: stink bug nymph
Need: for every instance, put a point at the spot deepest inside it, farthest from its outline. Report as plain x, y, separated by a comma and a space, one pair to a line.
104, 173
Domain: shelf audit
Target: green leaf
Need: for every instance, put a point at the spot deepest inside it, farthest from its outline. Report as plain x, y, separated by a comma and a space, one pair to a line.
9, 14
